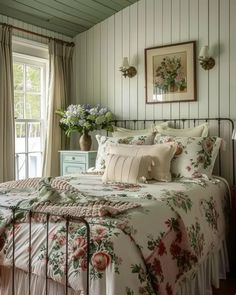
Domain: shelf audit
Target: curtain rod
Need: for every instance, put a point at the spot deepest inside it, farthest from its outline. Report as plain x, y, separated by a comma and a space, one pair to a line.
37, 34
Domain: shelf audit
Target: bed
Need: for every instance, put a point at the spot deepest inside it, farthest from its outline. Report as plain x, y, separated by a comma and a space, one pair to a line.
175, 235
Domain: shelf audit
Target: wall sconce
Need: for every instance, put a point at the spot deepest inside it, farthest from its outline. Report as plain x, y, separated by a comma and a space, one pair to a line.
205, 60
127, 70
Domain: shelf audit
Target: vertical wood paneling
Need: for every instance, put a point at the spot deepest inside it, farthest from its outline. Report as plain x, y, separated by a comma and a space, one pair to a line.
193, 35
158, 39
232, 59
97, 64
155, 23
184, 36
175, 38
167, 12
118, 63
126, 52
149, 43
224, 61
90, 67
104, 60
214, 46
203, 76
83, 67
134, 61
111, 70
141, 63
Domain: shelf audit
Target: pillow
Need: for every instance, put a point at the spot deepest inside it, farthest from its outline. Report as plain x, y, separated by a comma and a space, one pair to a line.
199, 131
161, 154
119, 131
104, 141
127, 169
195, 156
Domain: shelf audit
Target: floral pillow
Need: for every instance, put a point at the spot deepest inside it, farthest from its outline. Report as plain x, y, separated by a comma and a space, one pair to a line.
104, 141
195, 156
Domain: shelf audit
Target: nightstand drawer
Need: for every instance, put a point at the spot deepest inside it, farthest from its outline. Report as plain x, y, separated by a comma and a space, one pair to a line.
75, 162
74, 158
73, 169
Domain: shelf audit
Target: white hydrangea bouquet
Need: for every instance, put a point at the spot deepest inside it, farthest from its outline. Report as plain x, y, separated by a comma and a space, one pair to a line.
84, 119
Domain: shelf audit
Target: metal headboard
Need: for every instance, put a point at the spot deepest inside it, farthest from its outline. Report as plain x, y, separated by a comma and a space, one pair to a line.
182, 123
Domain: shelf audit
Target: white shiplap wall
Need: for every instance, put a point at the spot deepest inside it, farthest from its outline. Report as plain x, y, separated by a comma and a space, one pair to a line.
100, 50
20, 24
99, 53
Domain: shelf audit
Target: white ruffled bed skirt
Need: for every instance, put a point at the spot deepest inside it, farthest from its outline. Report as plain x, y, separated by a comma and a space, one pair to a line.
208, 274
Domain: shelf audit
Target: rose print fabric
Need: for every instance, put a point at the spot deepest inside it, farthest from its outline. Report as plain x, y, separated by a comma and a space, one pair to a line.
145, 250
195, 156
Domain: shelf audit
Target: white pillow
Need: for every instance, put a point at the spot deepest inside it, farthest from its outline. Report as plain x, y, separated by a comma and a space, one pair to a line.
161, 154
198, 131
126, 169
104, 141
120, 131
195, 156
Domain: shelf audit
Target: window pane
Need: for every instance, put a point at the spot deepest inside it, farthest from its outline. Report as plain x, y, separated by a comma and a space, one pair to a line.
18, 70
34, 142
19, 105
20, 137
32, 106
20, 166
35, 164
33, 78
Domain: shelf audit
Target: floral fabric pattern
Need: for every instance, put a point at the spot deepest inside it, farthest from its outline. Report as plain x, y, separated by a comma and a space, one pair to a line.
195, 156
104, 141
146, 250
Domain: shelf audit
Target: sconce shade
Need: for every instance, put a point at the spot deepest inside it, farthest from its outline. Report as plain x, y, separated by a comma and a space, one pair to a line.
205, 60
204, 52
127, 70
125, 63
234, 134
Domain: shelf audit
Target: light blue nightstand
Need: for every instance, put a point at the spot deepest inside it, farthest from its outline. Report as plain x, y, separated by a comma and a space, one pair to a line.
74, 162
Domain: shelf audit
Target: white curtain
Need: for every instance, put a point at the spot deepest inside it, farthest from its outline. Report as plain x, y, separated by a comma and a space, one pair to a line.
7, 129
60, 73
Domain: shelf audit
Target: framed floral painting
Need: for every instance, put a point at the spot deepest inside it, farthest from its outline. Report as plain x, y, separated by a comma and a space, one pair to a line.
170, 73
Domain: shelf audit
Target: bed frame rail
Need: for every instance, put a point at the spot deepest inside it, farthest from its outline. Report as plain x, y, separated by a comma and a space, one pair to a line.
67, 219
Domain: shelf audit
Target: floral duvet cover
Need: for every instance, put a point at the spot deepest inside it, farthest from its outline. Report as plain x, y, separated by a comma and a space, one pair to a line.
145, 239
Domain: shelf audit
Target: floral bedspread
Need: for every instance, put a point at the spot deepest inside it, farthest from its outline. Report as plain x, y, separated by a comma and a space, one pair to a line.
150, 248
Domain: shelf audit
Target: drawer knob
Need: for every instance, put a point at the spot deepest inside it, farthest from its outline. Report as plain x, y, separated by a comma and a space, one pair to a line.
73, 158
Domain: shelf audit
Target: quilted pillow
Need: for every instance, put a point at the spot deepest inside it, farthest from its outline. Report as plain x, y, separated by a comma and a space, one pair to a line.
127, 169
195, 156
161, 154
198, 131
104, 141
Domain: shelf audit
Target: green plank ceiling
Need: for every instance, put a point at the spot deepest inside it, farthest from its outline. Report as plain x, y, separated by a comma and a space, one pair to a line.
68, 17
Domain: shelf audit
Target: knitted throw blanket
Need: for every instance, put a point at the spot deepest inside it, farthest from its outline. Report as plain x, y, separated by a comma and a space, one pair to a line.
49, 199
90, 209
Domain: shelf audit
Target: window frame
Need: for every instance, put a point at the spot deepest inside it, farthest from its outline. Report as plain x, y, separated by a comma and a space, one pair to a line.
44, 64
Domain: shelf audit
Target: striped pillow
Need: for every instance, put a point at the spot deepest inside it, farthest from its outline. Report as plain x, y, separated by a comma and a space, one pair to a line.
127, 169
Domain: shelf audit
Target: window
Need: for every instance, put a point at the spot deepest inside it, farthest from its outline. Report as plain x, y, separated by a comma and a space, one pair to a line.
30, 103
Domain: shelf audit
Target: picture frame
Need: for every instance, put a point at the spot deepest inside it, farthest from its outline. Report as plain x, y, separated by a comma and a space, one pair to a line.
170, 73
